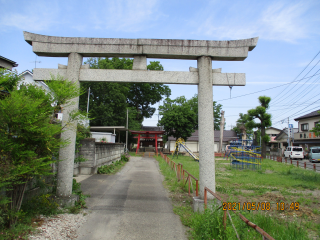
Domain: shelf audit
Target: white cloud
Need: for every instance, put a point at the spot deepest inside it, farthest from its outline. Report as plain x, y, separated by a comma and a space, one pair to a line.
35, 16
124, 15
284, 21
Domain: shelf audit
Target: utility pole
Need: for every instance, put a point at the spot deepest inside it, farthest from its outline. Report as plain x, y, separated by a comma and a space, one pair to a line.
288, 134
127, 131
221, 131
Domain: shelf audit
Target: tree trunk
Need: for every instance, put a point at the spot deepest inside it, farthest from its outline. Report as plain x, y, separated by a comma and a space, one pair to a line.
263, 143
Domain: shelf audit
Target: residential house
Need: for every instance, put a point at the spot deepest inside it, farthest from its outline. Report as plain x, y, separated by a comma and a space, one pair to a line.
7, 63
304, 137
282, 139
272, 132
193, 141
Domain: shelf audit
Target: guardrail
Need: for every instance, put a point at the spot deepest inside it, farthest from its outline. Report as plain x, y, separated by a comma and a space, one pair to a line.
298, 163
180, 173
265, 235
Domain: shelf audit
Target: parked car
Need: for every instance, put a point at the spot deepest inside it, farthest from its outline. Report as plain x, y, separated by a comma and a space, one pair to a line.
294, 152
314, 154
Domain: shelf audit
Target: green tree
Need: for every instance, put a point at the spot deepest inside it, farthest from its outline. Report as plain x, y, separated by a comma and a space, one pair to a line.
29, 137
108, 101
260, 113
241, 127
316, 128
216, 111
178, 118
8, 80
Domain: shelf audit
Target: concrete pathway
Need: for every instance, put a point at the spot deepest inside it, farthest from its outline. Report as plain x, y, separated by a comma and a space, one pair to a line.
131, 204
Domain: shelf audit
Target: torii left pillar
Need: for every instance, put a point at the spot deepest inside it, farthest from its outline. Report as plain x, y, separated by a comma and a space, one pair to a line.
66, 154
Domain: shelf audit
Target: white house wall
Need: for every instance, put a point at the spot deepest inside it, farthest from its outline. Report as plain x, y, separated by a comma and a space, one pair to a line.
310, 121
193, 146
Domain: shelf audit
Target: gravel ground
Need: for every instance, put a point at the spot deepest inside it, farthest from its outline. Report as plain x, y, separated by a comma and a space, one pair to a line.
62, 226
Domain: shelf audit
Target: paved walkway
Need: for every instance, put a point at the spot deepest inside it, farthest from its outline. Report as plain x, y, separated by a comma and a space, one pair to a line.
131, 204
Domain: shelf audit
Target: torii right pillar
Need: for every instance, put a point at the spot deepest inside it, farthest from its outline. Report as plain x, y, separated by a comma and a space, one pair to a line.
205, 115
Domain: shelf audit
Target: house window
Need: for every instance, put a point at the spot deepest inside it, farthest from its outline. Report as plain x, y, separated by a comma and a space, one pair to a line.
315, 124
305, 127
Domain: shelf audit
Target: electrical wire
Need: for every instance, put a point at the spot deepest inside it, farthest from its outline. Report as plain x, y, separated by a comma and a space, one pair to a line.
266, 89
300, 73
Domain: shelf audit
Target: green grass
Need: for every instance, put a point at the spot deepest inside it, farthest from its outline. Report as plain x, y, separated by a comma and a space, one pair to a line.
114, 167
274, 177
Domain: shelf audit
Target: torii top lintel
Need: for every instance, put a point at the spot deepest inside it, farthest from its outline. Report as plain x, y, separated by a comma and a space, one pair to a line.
235, 50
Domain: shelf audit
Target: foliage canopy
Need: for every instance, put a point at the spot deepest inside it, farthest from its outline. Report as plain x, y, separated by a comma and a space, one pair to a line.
29, 134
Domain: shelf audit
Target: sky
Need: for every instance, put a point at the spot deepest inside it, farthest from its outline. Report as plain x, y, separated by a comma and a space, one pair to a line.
284, 65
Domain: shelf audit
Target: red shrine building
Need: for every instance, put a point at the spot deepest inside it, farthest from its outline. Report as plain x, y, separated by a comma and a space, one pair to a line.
149, 138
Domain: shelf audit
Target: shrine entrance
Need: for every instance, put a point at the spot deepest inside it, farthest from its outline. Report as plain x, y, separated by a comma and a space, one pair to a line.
140, 49
145, 137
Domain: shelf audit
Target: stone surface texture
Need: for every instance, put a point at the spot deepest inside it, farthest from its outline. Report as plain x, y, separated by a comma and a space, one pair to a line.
205, 119
165, 77
62, 226
97, 154
66, 154
235, 50
139, 62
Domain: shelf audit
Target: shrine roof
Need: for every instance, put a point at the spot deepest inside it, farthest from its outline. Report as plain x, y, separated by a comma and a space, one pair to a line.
146, 132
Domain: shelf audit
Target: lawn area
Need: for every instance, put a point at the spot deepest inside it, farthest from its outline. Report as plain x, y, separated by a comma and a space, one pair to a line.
274, 183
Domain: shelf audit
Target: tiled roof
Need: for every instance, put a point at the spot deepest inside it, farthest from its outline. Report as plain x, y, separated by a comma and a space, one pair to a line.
285, 131
228, 135
151, 128
26, 71
14, 64
309, 115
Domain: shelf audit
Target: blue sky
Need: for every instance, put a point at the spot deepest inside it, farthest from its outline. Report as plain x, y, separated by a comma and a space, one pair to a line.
288, 31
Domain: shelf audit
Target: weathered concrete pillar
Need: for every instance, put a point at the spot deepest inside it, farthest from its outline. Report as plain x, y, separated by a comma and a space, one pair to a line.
206, 134
139, 62
66, 154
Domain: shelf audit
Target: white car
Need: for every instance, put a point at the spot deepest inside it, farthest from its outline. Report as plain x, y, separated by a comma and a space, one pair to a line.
294, 152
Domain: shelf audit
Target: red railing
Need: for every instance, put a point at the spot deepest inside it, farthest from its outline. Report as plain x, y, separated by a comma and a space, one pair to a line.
280, 159
243, 218
180, 173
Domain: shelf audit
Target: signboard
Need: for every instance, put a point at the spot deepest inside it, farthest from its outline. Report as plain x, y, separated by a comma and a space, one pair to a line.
290, 125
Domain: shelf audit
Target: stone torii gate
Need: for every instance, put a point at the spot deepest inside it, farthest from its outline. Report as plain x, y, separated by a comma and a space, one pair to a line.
140, 49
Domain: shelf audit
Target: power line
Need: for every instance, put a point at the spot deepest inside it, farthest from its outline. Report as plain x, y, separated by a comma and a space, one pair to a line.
300, 73
267, 88
306, 92
302, 110
282, 96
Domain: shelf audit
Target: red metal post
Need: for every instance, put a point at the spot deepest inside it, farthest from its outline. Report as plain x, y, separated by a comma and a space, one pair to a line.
138, 143
297, 163
305, 165
197, 191
205, 198
225, 219
314, 167
156, 142
291, 161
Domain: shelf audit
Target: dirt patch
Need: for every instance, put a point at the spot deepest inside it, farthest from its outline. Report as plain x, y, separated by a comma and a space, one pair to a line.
273, 197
